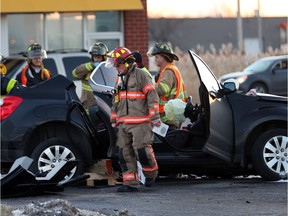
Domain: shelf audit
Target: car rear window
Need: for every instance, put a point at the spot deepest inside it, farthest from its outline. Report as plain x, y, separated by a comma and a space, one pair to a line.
70, 63
14, 65
51, 66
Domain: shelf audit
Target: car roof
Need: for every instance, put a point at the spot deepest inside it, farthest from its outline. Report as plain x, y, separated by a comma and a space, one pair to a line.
51, 53
274, 57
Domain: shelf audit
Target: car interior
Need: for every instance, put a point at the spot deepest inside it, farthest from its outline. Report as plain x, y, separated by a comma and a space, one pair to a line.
194, 136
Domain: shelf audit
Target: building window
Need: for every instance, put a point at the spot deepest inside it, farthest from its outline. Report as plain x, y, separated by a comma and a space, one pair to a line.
106, 27
64, 31
24, 29
104, 21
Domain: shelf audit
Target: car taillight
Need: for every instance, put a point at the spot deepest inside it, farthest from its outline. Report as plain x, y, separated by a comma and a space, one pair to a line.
9, 105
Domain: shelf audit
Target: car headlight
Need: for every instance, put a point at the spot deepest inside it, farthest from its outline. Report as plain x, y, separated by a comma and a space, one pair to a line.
242, 79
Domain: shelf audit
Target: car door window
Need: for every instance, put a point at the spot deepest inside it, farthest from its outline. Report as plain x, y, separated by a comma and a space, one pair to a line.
70, 63
279, 78
105, 76
284, 64
206, 76
50, 64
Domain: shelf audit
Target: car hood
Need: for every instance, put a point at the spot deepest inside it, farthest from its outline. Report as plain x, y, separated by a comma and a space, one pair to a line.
235, 75
270, 98
54, 88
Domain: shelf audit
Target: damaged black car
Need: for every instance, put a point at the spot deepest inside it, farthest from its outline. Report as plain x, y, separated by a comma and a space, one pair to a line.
228, 133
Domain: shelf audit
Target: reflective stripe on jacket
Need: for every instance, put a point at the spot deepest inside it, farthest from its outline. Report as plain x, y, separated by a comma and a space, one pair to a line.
137, 100
130, 177
83, 72
7, 84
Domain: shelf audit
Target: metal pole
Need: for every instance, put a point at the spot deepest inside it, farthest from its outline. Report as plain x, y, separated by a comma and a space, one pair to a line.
259, 28
239, 28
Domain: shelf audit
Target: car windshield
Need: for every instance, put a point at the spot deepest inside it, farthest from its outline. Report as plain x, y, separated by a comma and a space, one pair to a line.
259, 66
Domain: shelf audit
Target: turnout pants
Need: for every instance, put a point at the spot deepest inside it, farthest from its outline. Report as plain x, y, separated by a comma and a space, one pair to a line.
135, 143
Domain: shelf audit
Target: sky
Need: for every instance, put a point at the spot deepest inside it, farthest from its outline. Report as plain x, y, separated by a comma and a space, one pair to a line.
215, 8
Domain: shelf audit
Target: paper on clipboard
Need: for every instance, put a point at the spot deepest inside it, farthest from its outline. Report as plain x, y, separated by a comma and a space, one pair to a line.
161, 130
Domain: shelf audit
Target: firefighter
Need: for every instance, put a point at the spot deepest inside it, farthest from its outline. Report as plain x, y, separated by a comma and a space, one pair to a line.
98, 54
7, 84
34, 72
135, 109
168, 82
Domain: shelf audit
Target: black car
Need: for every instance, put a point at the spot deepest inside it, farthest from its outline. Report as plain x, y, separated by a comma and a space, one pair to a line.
229, 133
267, 75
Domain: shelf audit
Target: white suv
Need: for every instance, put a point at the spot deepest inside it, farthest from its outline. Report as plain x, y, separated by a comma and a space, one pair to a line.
57, 62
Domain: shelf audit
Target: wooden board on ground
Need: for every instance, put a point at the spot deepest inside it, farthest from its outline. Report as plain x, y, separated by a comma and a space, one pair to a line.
102, 172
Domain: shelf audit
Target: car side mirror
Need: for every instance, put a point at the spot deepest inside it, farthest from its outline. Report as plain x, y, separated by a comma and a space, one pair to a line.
230, 85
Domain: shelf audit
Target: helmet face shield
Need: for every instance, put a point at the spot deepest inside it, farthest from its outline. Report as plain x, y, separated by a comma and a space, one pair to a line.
35, 51
37, 54
109, 62
151, 52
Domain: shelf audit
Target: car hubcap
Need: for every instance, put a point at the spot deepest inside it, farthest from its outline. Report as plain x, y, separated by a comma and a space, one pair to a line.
51, 156
260, 89
275, 154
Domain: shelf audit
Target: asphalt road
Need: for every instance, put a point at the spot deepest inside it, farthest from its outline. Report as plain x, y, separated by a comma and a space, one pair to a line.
241, 196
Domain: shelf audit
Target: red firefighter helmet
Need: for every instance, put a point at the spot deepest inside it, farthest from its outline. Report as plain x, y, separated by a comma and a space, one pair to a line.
120, 55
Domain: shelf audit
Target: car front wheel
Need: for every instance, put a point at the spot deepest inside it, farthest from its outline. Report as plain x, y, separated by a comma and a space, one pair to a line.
50, 152
259, 87
269, 155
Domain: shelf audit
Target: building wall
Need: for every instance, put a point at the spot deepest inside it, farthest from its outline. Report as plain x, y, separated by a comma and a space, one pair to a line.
136, 31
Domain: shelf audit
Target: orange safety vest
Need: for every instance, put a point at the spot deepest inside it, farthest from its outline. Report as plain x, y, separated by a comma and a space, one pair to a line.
45, 73
180, 90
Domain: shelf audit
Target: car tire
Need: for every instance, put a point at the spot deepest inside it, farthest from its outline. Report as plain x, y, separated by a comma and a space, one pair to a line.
259, 87
48, 152
269, 155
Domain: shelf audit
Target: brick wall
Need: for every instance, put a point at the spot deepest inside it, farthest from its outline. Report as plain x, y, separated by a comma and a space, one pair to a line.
136, 31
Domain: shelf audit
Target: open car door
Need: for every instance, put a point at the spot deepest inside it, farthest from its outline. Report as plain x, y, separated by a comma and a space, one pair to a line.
218, 114
102, 81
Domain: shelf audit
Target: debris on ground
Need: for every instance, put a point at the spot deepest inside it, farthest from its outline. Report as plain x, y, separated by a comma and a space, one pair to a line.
55, 207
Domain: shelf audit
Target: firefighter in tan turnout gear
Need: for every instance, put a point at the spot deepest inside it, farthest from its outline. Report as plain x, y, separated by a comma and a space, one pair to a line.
169, 83
135, 109
98, 54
